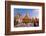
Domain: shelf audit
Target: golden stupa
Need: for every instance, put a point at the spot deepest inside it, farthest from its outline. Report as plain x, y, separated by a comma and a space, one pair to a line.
26, 19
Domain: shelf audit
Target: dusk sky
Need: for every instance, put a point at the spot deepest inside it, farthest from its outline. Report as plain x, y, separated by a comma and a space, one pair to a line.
31, 12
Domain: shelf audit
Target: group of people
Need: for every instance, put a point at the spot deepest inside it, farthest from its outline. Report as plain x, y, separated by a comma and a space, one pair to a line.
35, 23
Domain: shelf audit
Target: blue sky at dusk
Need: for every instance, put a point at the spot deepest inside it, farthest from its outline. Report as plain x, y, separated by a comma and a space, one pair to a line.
31, 12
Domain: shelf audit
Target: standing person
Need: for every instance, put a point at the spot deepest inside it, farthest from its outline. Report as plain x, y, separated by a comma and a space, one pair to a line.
36, 22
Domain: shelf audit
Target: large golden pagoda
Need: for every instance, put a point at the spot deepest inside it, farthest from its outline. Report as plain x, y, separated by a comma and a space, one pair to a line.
26, 19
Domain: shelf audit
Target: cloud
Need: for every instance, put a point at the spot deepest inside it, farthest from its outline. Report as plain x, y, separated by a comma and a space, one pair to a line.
35, 11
